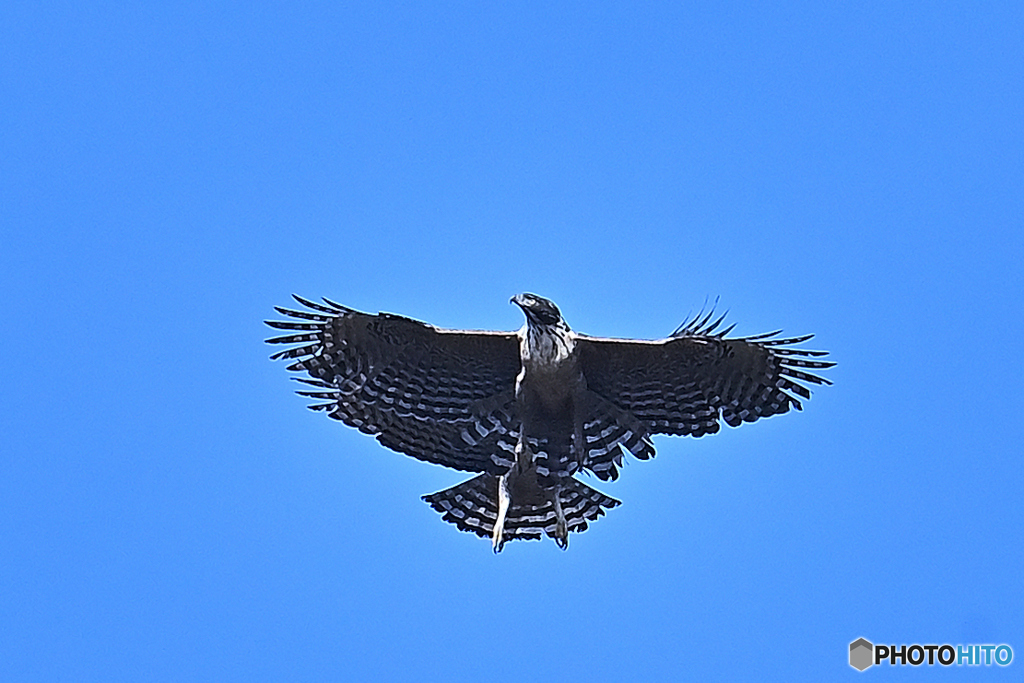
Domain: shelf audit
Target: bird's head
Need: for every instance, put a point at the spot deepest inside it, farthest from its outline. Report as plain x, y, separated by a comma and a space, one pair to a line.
538, 310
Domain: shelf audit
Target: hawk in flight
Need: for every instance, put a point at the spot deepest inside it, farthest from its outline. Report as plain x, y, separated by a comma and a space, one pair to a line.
530, 410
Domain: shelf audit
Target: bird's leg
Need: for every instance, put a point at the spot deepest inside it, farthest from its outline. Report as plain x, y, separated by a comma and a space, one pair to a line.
504, 499
579, 442
561, 534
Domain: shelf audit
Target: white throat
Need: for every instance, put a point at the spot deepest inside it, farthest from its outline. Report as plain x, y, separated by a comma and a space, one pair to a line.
546, 346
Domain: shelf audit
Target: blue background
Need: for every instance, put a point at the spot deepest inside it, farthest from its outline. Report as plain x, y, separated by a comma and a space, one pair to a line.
168, 173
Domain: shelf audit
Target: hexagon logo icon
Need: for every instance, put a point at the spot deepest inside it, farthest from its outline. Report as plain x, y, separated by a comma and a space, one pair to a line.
861, 654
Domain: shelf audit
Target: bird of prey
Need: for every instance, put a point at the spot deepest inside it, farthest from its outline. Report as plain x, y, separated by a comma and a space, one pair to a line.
530, 410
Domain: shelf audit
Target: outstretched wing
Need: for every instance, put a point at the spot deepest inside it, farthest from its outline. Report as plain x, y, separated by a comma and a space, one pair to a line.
444, 396
689, 382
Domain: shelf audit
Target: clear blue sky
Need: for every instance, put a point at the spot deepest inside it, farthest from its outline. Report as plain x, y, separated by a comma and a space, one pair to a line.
169, 510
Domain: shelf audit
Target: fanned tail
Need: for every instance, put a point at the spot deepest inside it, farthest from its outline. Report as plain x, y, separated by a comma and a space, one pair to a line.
473, 506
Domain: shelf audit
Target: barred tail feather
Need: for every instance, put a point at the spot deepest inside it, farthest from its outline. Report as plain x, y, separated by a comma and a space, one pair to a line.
473, 506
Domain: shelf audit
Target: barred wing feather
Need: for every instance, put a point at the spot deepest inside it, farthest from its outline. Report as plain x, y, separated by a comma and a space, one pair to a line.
686, 384
443, 396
